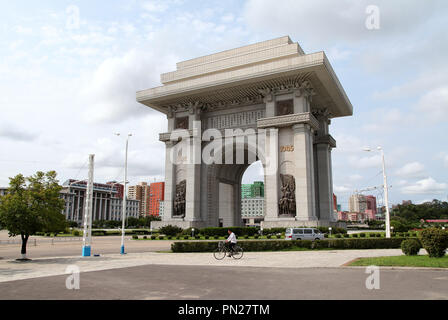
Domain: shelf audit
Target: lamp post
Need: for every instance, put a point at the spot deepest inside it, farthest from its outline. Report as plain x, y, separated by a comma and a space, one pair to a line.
122, 251
386, 193
329, 229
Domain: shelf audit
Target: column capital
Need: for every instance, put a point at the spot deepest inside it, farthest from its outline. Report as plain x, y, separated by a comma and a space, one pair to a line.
325, 139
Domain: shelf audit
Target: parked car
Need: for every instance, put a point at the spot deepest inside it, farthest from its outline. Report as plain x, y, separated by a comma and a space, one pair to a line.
303, 234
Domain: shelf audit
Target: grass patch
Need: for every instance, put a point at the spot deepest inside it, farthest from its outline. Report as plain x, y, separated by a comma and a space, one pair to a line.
403, 261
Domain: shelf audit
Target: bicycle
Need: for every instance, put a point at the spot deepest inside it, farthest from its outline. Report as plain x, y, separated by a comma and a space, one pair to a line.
223, 250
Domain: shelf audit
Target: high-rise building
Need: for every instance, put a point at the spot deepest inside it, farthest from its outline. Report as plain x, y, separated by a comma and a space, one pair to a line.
357, 203
140, 192
364, 206
371, 207
255, 189
156, 196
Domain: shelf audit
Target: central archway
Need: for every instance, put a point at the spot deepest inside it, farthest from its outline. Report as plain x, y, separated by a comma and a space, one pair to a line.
228, 181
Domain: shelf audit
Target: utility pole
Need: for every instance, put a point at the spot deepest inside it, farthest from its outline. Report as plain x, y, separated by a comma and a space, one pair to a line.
123, 225
386, 195
88, 208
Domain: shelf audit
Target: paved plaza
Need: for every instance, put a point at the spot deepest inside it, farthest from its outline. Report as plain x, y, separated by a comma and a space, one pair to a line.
148, 271
153, 282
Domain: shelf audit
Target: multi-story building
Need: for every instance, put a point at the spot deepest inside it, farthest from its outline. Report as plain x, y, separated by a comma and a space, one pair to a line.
106, 204
361, 208
255, 189
141, 193
371, 207
161, 208
156, 196
3, 191
357, 203
252, 210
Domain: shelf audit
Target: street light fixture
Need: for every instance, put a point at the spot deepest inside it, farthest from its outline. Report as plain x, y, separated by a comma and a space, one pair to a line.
386, 192
122, 251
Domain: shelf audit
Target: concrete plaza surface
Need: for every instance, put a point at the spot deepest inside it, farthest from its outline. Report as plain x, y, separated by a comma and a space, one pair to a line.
258, 275
155, 282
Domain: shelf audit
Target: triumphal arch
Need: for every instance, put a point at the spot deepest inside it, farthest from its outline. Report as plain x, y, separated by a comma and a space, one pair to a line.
267, 101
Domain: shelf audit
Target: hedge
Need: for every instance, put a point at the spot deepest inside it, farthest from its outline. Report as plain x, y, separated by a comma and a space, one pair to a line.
222, 232
277, 245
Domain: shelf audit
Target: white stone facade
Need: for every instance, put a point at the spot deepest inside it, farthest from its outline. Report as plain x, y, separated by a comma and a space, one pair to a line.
276, 95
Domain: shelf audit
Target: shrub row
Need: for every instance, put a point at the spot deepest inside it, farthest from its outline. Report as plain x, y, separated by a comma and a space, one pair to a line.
370, 243
222, 232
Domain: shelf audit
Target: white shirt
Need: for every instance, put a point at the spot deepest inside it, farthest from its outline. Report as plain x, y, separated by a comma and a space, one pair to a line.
232, 238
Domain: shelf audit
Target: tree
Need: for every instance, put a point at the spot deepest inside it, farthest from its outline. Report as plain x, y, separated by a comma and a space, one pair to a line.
32, 205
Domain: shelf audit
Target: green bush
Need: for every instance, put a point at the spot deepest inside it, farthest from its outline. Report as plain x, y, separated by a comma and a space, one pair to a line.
277, 245
354, 235
76, 233
153, 237
135, 237
206, 237
338, 235
378, 235
170, 230
188, 231
362, 235
186, 237
268, 236
145, 237
222, 232
346, 235
435, 241
280, 236
410, 247
161, 237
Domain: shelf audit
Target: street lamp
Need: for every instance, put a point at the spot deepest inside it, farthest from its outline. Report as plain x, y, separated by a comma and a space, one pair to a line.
329, 229
386, 192
124, 193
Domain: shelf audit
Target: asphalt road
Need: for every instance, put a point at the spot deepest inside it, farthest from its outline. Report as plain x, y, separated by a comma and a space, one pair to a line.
229, 283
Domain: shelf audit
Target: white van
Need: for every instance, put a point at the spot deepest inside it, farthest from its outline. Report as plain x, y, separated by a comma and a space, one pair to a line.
303, 234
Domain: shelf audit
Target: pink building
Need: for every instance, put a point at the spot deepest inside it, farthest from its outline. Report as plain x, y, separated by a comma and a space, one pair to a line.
370, 208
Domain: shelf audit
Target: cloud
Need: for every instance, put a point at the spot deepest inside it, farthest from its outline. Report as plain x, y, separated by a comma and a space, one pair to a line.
329, 21
426, 186
111, 90
355, 177
365, 162
14, 133
411, 170
342, 189
434, 104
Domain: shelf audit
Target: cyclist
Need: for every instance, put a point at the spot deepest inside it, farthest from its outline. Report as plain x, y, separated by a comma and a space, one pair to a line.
231, 240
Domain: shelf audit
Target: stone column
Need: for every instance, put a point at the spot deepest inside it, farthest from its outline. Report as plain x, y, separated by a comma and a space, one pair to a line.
269, 100
271, 174
193, 192
304, 172
170, 182
323, 144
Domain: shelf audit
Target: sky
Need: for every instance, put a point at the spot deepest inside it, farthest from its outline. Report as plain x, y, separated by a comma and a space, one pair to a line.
69, 71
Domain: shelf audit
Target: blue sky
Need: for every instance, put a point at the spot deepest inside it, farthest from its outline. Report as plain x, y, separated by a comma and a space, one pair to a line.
69, 71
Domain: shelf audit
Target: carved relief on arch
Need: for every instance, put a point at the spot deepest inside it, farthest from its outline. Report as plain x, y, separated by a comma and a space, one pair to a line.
287, 202
179, 200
